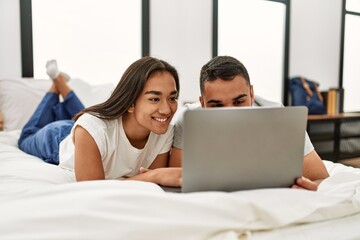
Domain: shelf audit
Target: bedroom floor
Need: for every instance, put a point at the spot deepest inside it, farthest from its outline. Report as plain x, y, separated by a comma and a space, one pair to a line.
354, 162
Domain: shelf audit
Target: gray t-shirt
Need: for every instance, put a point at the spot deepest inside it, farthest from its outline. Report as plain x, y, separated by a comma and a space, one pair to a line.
258, 101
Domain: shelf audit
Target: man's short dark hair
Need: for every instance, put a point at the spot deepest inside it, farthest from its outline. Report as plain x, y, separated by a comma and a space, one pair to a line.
223, 67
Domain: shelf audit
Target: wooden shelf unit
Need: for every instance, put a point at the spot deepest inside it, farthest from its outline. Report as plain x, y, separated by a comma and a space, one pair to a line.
335, 134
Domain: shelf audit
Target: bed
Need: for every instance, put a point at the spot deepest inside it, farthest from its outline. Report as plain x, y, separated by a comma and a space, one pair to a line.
42, 201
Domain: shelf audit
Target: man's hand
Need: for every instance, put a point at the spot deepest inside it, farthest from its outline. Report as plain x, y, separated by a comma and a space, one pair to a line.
305, 183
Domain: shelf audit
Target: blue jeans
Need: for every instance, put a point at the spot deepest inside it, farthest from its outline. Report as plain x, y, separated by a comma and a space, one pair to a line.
49, 125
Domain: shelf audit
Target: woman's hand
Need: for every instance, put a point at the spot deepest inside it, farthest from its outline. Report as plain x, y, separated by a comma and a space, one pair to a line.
170, 177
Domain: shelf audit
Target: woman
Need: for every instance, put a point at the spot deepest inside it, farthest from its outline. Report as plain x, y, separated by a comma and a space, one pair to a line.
119, 138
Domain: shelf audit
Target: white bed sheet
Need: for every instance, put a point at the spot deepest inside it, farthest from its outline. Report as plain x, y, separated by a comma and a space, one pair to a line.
42, 201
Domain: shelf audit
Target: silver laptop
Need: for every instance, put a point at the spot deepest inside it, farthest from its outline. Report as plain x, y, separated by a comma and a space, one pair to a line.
230, 149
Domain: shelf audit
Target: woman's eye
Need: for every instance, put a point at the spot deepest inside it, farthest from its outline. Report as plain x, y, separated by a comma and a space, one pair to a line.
173, 99
154, 99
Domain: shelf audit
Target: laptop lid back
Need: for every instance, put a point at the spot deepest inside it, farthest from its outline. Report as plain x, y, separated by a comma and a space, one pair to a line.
230, 149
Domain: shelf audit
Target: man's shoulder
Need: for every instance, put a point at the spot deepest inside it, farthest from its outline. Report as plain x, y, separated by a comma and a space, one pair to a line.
191, 106
179, 115
260, 101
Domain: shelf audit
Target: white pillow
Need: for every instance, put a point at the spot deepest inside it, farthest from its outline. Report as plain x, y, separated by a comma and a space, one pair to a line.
20, 97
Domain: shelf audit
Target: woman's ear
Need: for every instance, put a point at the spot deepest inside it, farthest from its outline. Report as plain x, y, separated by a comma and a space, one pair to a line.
131, 108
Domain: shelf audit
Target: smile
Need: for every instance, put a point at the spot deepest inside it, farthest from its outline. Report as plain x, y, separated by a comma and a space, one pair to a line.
160, 119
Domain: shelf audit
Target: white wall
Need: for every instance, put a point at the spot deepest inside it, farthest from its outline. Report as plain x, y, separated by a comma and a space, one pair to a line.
181, 34
10, 51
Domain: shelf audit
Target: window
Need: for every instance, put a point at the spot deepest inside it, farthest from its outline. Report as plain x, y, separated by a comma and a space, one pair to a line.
254, 32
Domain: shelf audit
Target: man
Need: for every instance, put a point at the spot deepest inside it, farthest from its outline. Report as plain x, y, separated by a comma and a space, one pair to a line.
225, 82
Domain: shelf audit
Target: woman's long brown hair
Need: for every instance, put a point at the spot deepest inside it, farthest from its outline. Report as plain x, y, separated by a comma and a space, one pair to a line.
129, 88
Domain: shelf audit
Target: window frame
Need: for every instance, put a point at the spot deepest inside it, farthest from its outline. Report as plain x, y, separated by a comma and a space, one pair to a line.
342, 48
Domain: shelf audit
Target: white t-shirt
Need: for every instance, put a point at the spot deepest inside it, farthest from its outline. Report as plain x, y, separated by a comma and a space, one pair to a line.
119, 157
258, 101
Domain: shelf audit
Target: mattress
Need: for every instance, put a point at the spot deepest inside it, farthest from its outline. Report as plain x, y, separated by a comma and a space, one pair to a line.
43, 201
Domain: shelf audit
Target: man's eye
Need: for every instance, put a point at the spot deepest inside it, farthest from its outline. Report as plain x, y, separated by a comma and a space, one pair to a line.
154, 99
215, 105
238, 102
